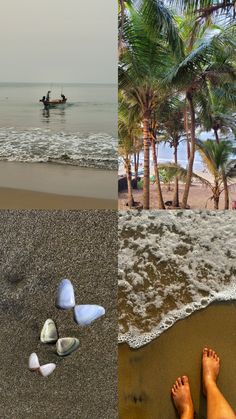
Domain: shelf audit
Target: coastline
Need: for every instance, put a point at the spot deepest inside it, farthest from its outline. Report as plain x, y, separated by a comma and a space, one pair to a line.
11, 198
147, 374
50, 185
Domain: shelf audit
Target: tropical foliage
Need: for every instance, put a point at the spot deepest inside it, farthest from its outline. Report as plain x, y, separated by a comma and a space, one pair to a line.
177, 74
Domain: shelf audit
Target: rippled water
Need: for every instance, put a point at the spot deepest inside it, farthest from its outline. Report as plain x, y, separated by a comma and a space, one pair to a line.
82, 132
170, 265
36, 145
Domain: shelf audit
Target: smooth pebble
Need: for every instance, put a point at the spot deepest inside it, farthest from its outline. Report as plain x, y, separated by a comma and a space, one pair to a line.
49, 332
65, 295
33, 362
86, 313
65, 346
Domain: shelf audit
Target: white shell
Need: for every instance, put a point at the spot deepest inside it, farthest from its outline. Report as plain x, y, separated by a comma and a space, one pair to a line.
33, 362
65, 295
87, 313
49, 332
47, 369
65, 346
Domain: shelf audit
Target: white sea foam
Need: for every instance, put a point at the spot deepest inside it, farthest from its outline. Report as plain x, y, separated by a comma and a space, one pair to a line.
170, 265
37, 145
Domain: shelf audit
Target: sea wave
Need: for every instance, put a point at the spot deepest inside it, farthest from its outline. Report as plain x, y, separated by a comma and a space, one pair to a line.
38, 145
170, 265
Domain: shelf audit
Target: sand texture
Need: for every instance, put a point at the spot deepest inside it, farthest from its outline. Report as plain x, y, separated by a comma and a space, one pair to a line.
147, 374
61, 179
11, 198
38, 249
198, 197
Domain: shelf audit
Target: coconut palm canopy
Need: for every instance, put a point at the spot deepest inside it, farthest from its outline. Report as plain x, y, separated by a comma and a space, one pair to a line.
177, 74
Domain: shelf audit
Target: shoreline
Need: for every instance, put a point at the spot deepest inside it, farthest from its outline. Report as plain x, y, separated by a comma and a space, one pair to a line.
56, 179
11, 198
147, 374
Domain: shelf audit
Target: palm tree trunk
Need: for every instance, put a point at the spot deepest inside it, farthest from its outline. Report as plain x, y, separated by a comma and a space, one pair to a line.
136, 166
122, 13
160, 201
216, 202
192, 150
226, 189
216, 195
176, 190
187, 131
129, 183
146, 174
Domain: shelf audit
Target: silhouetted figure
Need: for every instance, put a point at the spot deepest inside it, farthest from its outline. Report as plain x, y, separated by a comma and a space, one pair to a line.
48, 95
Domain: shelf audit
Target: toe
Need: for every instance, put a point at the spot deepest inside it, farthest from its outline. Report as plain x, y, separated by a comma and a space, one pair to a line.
184, 379
210, 353
179, 381
205, 352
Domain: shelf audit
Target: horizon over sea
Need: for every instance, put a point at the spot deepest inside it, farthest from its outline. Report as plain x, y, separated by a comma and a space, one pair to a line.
83, 132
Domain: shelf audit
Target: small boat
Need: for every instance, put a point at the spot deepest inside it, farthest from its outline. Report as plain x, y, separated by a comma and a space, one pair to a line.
50, 103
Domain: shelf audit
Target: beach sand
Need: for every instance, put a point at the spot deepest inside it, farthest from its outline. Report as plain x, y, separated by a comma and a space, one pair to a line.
198, 197
11, 198
147, 374
47, 186
38, 249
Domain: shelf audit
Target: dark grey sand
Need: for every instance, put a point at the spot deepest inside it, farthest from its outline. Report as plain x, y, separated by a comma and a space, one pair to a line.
37, 250
147, 374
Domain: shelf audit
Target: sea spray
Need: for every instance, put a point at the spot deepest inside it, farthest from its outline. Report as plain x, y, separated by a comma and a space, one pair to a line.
42, 145
170, 265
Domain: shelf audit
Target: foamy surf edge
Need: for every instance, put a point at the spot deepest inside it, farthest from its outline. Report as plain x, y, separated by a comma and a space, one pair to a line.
192, 256
136, 340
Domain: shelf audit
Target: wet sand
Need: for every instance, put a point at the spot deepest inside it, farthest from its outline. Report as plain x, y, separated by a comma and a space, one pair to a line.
198, 197
59, 179
11, 198
147, 374
37, 250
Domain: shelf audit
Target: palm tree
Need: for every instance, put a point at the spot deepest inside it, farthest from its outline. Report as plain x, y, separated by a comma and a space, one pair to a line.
129, 133
202, 64
204, 9
170, 115
216, 113
217, 158
142, 62
154, 144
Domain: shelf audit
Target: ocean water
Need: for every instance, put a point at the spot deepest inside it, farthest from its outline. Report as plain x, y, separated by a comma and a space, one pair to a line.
166, 154
83, 132
170, 265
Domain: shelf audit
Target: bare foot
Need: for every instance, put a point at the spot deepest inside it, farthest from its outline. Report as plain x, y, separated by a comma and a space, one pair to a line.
182, 398
210, 368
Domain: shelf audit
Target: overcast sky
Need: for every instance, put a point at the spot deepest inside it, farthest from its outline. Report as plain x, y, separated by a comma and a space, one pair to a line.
58, 41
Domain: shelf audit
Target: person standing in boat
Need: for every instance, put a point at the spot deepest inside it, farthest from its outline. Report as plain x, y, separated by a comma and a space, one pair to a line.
48, 96
63, 97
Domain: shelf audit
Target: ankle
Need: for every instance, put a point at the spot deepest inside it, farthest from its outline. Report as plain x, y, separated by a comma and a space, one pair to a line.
209, 384
188, 414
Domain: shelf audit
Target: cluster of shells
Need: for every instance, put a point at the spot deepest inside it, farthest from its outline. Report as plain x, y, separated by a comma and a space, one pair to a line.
84, 315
